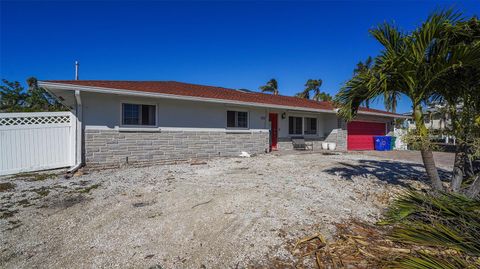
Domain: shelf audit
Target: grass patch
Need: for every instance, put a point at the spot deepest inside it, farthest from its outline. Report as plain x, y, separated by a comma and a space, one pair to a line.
5, 214
6, 186
34, 176
24, 203
43, 191
89, 188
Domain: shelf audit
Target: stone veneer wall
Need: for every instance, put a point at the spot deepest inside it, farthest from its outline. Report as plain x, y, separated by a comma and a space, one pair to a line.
112, 147
339, 136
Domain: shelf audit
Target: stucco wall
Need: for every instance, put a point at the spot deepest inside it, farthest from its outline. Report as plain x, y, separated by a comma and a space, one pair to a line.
104, 111
186, 130
327, 128
325, 123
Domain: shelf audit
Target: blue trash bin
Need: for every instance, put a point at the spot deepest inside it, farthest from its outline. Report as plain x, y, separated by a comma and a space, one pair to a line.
381, 143
388, 146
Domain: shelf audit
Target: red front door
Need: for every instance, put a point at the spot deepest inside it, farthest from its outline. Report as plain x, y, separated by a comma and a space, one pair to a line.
360, 134
273, 118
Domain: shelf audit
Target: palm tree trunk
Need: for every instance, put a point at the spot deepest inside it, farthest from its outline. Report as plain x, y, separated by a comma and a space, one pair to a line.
474, 189
427, 154
431, 169
458, 167
458, 172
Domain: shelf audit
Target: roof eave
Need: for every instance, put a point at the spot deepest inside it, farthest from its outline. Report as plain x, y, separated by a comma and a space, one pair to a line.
63, 86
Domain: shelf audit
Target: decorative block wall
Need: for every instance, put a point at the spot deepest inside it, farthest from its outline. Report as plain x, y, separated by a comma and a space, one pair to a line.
339, 136
113, 147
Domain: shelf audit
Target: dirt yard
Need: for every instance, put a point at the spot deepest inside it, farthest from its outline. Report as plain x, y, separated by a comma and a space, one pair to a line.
225, 213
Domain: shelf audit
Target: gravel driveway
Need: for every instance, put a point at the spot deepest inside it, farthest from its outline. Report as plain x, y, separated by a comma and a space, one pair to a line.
224, 213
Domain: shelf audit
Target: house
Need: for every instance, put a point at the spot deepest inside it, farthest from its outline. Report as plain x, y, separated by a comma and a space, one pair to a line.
438, 120
155, 121
435, 117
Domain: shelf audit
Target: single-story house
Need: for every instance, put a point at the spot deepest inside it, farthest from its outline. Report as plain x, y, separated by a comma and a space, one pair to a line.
155, 121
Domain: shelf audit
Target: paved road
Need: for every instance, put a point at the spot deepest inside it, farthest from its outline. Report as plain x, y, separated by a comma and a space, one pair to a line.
442, 159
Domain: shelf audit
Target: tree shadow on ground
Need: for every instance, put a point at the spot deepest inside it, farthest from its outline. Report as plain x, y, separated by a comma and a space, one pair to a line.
388, 171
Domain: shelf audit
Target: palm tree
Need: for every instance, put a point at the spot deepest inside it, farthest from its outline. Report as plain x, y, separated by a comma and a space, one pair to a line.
271, 86
410, 64
361, 68
323, 96
313, 85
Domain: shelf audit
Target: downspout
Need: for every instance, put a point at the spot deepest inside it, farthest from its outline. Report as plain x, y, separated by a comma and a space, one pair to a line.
78, 134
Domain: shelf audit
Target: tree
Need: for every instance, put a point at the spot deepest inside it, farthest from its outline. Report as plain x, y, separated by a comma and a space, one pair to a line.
411, 64
271, 86
14, 98
459, 92
361, 68
313, 86
391, 101
323, 96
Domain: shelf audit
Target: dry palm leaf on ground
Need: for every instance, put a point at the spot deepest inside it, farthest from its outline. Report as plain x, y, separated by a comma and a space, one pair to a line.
360, 245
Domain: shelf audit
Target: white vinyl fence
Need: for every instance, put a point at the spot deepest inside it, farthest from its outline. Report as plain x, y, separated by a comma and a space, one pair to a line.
399, 134
36, 141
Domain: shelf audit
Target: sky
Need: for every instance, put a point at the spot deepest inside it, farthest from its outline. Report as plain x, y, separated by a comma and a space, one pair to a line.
229, 44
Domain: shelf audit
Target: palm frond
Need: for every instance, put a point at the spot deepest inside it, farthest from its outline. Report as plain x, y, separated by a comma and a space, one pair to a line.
389, 36
442, 220
271, 86
427, 261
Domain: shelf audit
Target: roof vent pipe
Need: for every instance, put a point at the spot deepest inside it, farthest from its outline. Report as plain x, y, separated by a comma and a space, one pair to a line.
76, 69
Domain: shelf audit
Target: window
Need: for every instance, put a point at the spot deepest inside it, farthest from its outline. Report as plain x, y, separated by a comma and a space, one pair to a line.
310, 126
237, 119
295, 125
134, 114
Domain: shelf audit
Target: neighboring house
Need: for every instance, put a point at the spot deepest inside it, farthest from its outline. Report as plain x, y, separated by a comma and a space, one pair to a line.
157, 121
437, 120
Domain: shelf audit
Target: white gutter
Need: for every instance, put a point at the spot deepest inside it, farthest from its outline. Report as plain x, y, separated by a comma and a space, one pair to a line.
78, 133
61, 86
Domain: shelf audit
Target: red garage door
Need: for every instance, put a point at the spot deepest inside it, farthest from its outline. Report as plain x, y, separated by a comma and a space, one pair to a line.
360, 134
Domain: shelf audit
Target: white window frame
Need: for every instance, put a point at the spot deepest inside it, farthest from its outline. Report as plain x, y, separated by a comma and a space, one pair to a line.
236, 119
138, 125
305, 126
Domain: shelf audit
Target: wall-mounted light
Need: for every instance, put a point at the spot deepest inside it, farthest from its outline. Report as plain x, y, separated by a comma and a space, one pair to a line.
284, 115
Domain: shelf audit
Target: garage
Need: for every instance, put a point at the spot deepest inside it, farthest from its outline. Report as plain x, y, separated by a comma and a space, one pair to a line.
360, 134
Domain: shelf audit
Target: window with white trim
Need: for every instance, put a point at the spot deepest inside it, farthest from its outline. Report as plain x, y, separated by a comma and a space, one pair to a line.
310, 126
295, 125
237, 119
138, 115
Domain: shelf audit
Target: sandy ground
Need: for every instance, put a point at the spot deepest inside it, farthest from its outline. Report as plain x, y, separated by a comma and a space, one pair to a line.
226, 213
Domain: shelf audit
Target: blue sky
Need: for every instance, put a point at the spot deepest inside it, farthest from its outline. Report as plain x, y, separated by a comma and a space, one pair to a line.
229, 44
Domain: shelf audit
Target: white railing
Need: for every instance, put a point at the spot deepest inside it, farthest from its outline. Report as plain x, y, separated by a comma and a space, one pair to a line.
36, 141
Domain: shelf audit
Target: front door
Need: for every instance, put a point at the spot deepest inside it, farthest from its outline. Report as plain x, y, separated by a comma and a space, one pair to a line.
273, 119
